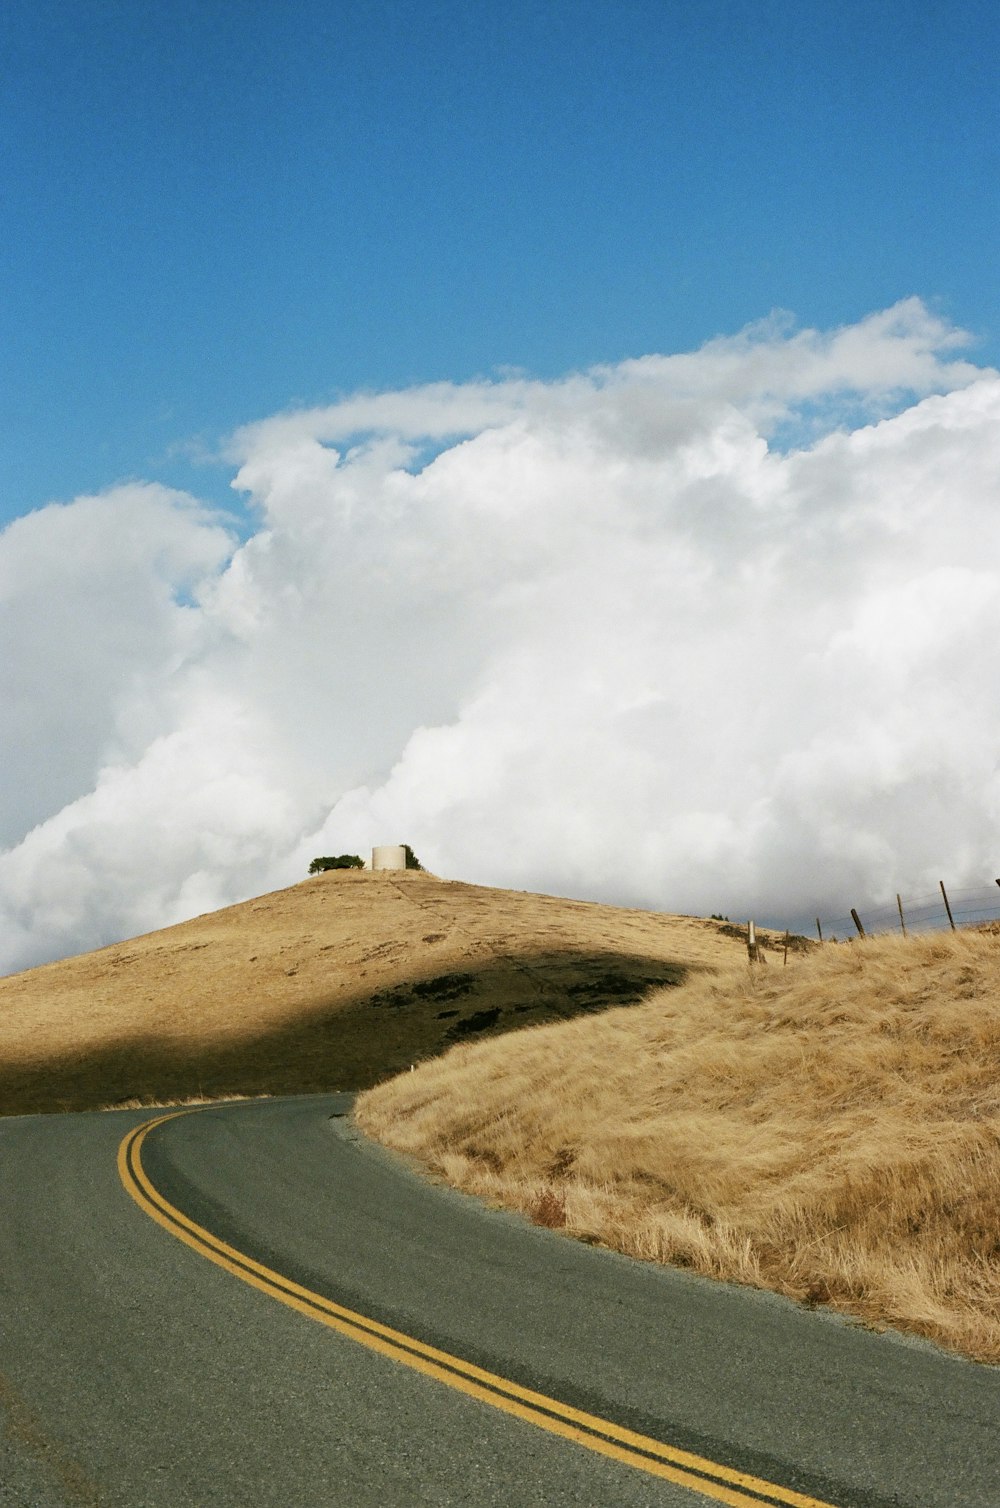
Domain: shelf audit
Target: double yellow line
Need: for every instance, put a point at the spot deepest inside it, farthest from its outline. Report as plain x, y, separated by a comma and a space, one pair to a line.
720, 1483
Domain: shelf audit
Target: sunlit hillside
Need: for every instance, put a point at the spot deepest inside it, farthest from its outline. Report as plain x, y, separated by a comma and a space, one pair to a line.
334, 983
830, 1129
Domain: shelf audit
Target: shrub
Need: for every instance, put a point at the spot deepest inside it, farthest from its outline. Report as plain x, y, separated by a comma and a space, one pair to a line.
340, 861
412, 862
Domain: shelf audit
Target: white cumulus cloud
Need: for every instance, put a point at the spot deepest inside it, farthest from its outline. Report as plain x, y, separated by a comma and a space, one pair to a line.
704, 632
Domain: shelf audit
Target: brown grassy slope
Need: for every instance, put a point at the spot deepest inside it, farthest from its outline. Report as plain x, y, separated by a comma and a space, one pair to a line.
830, 1130
331, 984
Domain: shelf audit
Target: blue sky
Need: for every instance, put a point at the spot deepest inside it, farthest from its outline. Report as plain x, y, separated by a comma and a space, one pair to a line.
532, 559
211, 212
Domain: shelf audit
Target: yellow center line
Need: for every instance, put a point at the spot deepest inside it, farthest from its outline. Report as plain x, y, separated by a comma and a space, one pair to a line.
720, 1483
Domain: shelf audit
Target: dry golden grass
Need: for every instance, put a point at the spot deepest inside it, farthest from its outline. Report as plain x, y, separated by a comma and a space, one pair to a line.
331, 984
830, 1130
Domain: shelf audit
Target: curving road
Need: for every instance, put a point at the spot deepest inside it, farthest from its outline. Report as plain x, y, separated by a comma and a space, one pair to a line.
137, 1371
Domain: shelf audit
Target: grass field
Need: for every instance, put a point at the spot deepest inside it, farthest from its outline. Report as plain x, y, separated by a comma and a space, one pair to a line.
334, 983
829, 1130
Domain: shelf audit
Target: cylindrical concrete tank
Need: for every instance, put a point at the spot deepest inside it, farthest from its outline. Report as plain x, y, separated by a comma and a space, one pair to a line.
389, 856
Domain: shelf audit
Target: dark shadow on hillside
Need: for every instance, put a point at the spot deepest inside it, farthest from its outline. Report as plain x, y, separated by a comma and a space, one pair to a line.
341, 1046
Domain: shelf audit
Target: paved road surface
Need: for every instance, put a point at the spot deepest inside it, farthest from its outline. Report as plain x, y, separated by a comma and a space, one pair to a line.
134, 1373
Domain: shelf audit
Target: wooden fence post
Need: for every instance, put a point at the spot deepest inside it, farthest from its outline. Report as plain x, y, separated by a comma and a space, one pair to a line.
901, 921
946, 906
819, 929
755, 952
857, 922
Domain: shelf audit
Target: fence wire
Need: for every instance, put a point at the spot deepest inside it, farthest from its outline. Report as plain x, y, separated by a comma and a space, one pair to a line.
971, 906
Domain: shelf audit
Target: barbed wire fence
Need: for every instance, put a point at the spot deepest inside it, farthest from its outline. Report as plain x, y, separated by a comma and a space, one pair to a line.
951, 907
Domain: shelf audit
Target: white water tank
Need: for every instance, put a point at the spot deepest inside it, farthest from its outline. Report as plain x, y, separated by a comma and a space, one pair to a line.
389, 856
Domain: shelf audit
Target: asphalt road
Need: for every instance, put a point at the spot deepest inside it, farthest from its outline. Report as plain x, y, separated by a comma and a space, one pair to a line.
135, 1372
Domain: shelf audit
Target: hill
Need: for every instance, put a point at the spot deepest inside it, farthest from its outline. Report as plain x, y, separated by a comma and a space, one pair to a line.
334, 983
830, 1130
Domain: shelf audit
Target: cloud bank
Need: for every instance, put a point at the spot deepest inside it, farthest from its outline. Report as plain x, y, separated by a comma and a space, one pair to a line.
704, 632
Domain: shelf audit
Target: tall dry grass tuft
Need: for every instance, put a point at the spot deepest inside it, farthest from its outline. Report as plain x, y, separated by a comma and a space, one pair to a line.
830, 1130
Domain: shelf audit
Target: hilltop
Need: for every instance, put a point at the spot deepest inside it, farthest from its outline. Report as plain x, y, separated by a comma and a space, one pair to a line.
334, 983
